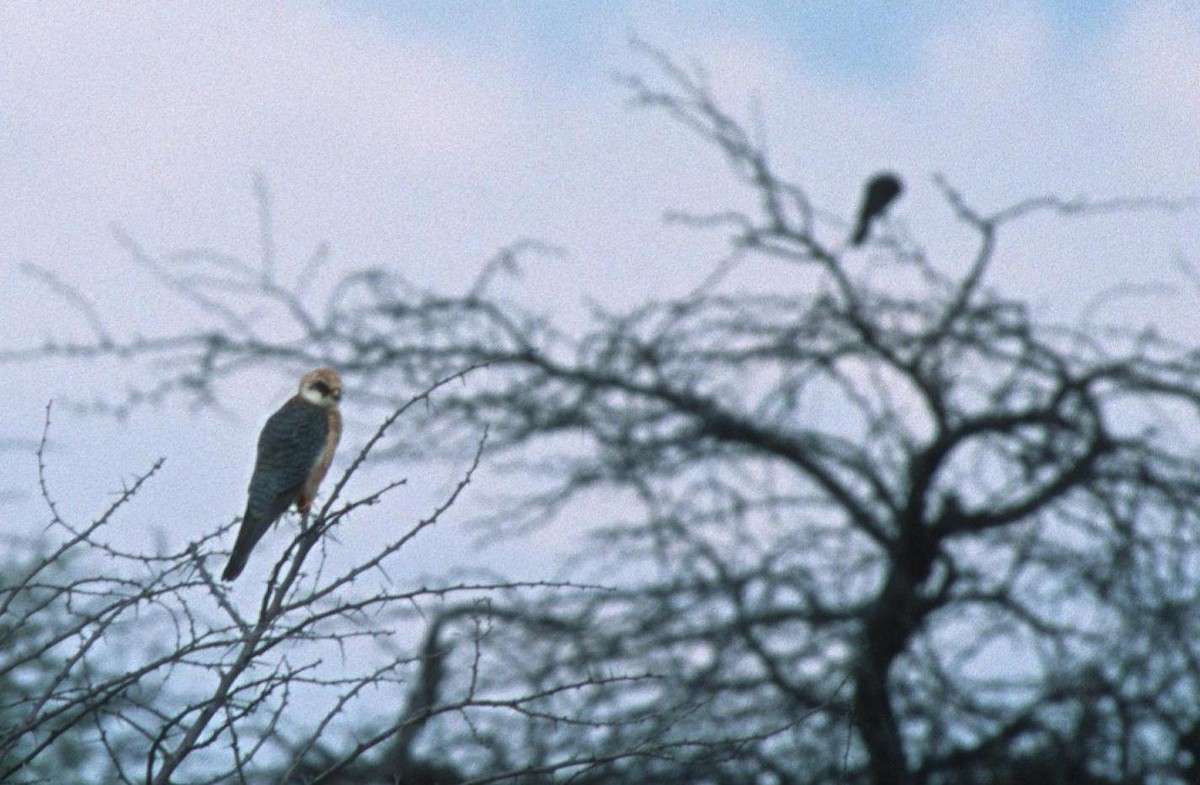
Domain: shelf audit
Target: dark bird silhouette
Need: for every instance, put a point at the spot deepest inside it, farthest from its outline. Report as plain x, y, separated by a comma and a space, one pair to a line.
881, 191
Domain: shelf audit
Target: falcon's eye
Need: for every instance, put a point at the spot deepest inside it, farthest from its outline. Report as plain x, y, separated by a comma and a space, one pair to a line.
321, 387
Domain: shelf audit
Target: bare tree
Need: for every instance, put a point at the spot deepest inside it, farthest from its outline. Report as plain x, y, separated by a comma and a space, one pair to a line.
888, 526
130, 666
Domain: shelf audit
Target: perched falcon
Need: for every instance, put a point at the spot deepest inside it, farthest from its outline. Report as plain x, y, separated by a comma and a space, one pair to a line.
881, 191
294, 451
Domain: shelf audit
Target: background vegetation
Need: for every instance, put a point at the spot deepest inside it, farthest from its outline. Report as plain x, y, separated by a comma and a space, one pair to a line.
865, 520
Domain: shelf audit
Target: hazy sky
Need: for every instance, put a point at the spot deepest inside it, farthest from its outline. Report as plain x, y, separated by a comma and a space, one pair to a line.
423, 136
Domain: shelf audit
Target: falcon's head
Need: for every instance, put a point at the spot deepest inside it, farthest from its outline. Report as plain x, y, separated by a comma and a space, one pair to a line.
322, 387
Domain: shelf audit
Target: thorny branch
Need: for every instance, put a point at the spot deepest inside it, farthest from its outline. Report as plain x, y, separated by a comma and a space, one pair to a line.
880, 527
203, 688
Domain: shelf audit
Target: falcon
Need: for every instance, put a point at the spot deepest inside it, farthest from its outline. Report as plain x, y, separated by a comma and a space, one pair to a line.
881, 191
294, 451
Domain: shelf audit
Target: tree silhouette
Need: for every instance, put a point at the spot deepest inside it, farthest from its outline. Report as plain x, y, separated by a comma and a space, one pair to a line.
123, 665
861, 531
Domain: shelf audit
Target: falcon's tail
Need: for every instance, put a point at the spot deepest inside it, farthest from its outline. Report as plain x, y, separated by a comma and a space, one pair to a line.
248, 536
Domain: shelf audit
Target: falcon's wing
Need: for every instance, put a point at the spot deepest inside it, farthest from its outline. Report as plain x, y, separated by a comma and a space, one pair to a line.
288, 448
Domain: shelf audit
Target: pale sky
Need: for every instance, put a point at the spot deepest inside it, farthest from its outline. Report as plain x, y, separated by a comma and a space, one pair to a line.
424, 136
